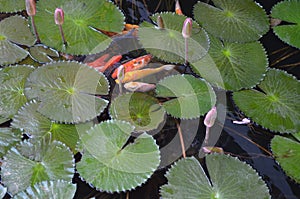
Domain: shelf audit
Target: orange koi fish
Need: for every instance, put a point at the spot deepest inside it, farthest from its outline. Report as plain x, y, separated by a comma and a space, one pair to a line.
178, 8
139, 86
138, 74
134, 64
100, 64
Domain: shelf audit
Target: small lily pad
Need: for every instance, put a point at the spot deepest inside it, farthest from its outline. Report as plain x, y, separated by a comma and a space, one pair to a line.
276, 106
49, 189
67, 91
168, 44
239, 65
287, 153
230, 178
233, 20
192, 97
288, 11
12, 5
12, 81
8, 137
81, 21
42, 53
36, 161
114, 167
141, 110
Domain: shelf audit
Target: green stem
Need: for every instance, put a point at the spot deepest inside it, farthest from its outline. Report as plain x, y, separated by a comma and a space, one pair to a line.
186, 51
62, 35
35, 30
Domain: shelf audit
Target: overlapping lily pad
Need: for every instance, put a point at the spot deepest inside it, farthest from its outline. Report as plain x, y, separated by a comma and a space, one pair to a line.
12, 81
230, 178
36, 161
287, 153
116, 167
8, 137
67, 91
81, 21
168, 44
239, 65
233, 20
43, 54
12, 5
14, 30
190, 97
141, 110
276, 105
288, 11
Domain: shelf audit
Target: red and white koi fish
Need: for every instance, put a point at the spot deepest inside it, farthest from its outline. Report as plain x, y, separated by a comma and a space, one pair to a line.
139, 86
134, 64
100, 64
178, 8
138, 74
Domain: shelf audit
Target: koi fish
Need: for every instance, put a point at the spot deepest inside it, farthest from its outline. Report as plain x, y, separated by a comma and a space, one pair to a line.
100, 64
139, 86
134, 64
178, 8
138, 74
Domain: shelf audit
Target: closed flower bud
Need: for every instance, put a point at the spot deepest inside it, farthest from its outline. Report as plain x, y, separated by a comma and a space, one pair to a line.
187, 28
160, 22
59, 16
210, 117
30, 7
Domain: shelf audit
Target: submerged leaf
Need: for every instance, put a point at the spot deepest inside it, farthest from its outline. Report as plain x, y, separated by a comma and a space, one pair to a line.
42, 54
276, 105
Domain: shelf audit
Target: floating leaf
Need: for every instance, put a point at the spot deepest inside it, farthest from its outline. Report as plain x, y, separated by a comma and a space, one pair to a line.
81, 21
114, 167
37, 125
8, 137
67, 91
168, 44
297, 136
288, 11
230, 178
12, 5
192, 97
239, 65
12, 80
233, 20
42, 53
287, 153
49, 189
36, 161
141, 110
276, 106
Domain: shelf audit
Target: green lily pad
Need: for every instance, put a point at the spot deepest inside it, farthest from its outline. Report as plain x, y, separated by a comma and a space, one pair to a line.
297, 136
239, 65
192, 97
12, 81
49, 189
287, 153
8, 137
276, 106
114, 167
230, 178
168, 44
12, 5
233, 20
37, 126
81, 21
288, 11
42, 53
67, 91
36, 161
141, 110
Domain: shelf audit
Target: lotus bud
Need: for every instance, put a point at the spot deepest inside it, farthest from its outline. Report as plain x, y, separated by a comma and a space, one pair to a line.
160, 22
210, 117
59, 16
30, 7
187, 28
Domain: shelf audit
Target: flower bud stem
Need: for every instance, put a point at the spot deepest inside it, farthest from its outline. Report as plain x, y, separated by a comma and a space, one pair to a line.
186, 51
181, 139
35, 30
62, 35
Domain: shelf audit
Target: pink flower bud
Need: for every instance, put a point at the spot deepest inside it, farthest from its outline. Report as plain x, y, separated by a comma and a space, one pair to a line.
59, 16
210, 117
30, 7
187, 28
160, 22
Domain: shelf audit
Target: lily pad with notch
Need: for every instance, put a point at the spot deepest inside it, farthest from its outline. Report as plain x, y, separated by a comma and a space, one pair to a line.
42, 53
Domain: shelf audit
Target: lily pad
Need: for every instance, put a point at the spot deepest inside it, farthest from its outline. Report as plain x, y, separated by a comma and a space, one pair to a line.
67, 91
168, 44
8, 137
276, 106
230, 178
12, 81
42, 53
141, 110
239, 65
192, 97
12, 5
37, 126
81, 21
287, 153
233, 20
288, 11
114, 167
49, 189
2, 191
36, 161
